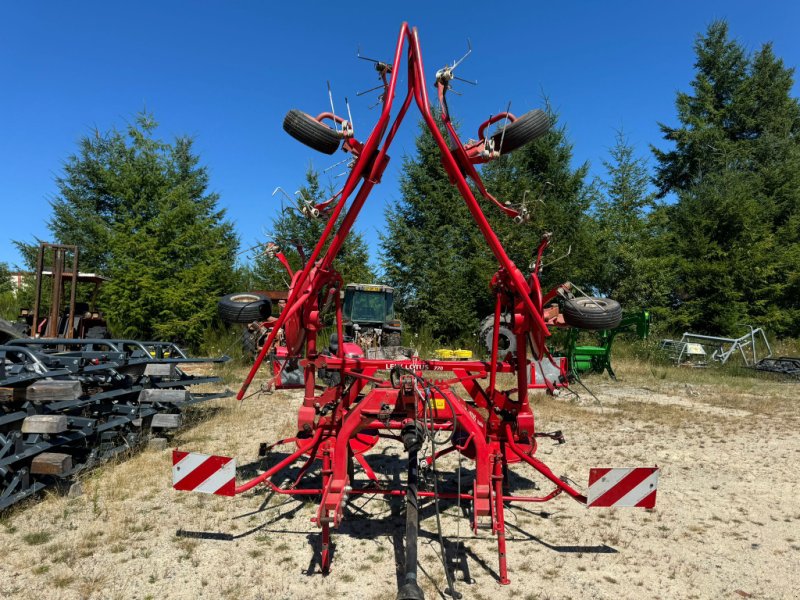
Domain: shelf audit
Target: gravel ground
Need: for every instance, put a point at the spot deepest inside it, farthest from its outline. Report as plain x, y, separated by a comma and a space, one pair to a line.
726, 525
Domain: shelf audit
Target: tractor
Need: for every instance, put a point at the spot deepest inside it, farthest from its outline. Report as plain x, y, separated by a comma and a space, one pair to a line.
368, 317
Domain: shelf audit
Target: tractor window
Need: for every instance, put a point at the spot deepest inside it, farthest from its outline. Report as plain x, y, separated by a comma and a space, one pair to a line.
368, 307
389, 306
347, 308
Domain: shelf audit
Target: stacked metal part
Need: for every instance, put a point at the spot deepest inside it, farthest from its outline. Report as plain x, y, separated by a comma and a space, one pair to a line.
68, 404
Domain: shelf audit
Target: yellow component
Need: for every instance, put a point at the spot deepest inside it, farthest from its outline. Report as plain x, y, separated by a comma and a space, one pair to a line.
371, 288
436, 403
444, 353
463, 354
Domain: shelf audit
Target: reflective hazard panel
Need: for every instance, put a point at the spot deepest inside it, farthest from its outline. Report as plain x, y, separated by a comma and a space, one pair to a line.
633, 487
194, 472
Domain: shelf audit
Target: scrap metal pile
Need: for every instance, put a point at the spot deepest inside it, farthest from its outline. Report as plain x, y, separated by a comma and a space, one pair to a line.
482, 411
784, 365
68, 404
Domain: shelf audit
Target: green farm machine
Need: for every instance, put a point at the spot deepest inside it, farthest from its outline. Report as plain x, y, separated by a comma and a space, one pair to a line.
596, 359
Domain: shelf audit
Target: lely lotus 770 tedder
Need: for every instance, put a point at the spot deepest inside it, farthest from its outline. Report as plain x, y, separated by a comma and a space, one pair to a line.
398, 400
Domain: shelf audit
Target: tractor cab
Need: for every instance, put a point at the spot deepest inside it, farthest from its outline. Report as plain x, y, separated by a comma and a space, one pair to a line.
368, 310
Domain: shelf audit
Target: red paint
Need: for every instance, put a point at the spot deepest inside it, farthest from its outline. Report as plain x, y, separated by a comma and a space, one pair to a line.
340, 424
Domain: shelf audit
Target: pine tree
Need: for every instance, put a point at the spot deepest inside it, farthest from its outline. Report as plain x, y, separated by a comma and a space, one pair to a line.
139, 211
558, 200
433, 253
735, 170
631, 266
297, 235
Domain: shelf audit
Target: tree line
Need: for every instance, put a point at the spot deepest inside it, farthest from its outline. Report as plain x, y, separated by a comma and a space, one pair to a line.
706, 234
708, 239
140, 212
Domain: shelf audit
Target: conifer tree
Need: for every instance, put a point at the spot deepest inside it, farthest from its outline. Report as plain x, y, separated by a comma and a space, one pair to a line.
297, 235
558, 200
139, 211
433, 253
735, 169
631, 267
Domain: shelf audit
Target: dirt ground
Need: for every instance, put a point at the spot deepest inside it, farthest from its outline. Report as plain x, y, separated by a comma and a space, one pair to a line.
726, 525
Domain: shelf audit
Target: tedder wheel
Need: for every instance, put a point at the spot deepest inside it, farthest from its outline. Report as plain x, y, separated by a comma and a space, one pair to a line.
244, 307
506, 340
528, 127
592, 313
306, 129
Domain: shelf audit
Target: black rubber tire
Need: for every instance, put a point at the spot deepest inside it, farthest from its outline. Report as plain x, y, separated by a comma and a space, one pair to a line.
528, 127
304, 128
250, 341
98, 332
244, 307
392, 339
593, 314
506, 340
10, 331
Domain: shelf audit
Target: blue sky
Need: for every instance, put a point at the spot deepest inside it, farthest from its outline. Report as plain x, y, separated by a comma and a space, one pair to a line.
227, 72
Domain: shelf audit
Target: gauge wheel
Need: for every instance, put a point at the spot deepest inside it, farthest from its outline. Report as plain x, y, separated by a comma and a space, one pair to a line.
528, 127
306, 129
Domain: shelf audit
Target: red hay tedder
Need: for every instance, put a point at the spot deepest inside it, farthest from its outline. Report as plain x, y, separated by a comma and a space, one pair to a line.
396, 399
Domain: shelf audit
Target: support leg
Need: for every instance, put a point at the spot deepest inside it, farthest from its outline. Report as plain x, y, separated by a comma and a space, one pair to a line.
325, 554
410, 590
500, 523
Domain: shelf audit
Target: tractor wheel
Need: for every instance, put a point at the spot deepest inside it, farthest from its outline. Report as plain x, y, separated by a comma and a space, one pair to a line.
250, 342
506, 340
306, 129
592, 313
392, 339
244, 307
528, 127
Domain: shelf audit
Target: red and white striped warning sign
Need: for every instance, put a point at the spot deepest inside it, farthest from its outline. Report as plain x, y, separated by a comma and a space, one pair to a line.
193, 472
623, 487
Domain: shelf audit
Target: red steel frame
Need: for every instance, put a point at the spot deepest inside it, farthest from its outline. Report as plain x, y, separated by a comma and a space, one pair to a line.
339, 424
